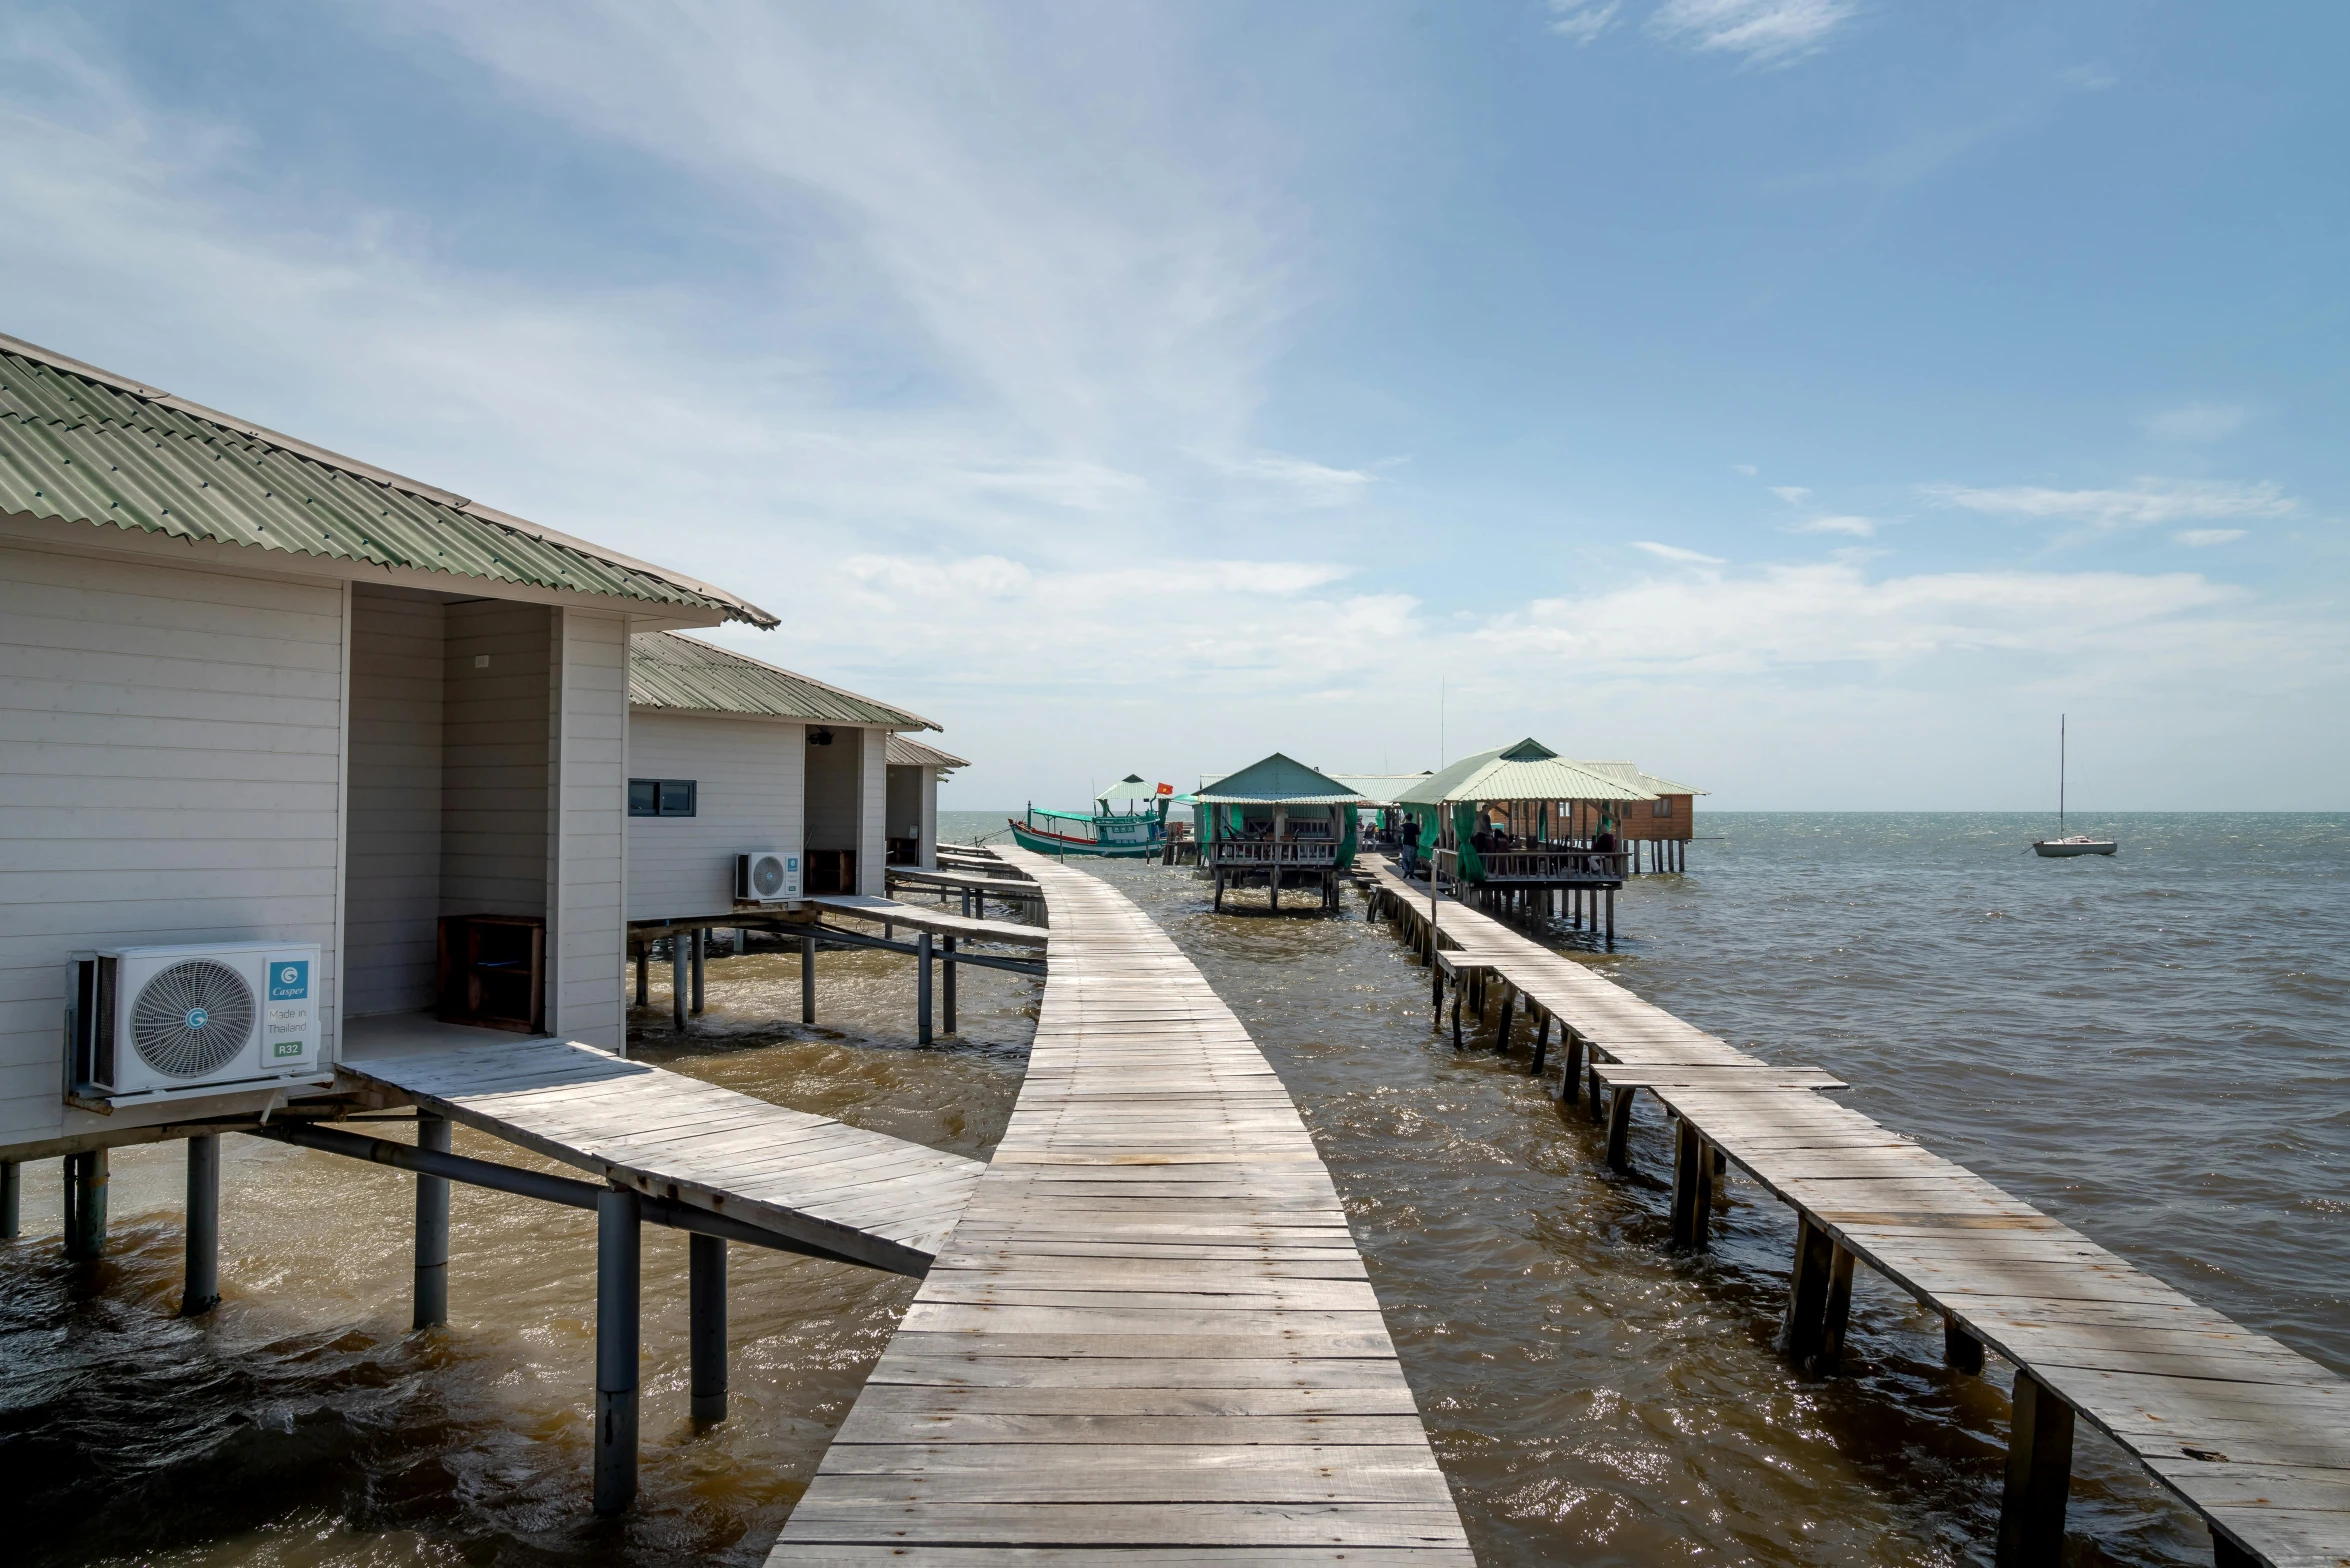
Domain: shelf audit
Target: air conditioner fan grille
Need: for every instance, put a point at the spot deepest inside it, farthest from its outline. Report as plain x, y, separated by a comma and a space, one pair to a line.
192, 1019
767, 875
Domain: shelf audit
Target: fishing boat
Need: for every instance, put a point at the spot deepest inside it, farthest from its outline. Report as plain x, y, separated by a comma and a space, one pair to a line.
1128, 822
2066, 845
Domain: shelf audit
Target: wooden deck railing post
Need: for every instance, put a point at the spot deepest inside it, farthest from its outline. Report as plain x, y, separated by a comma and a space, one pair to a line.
706, 1325
432, 1229
85, 1205
619, 1256
201, 1293
2039, 1477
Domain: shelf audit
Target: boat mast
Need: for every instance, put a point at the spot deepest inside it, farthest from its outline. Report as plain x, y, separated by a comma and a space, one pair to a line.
2060, 725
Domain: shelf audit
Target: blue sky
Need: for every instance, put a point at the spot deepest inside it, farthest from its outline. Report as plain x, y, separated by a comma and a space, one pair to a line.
1806, 398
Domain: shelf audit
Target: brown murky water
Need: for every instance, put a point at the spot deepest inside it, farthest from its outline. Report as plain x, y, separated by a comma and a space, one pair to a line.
1594, 1399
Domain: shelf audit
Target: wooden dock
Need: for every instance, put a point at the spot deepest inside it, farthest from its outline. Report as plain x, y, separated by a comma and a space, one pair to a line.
1151, 1339
937, 922
859, 1195
2251, 1435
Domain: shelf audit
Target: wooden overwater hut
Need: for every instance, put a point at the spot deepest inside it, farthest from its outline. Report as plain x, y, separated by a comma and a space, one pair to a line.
1275, 824
1665, 825
1500, 825
321, 781
916, 769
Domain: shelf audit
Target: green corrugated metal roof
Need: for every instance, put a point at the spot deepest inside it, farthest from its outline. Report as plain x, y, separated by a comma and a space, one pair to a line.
905, 753
1527, 771
666, 670
1380, 789
1629, 774
80, 444
1278, 780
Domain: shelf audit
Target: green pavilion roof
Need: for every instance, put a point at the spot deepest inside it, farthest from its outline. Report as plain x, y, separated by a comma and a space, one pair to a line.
1528, 770
666, 670
1627, 773
1278, 781
83, 445
905, 752
1379, 789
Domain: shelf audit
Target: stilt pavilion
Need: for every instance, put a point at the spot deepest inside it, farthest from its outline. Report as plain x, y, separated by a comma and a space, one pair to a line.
1276, 824
1502, 827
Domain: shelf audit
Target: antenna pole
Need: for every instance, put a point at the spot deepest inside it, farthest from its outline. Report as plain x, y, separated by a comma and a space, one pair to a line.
2060, 738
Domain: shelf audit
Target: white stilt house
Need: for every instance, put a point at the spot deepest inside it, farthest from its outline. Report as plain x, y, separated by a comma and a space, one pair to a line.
293, 715
915, 770
729, 756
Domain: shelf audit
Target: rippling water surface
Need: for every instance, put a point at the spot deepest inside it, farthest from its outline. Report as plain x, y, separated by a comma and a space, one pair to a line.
2150, 1047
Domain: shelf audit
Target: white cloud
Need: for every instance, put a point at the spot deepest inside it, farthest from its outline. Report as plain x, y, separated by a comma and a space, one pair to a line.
2197, 422
1297, 480
1583, 20
1748, 469
2087, 78
2151, 502
2201, 538
1673, 552
1857, 527
1763, 31
1793, 495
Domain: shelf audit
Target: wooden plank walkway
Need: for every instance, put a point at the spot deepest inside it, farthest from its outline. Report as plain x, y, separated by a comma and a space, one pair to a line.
2250, 1434
963, 881
863, 1195
888, 911
1151, 1340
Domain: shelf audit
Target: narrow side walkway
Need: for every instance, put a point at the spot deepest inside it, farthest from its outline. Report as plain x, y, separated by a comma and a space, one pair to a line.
862, 1195
1151, 1339
2253, 1436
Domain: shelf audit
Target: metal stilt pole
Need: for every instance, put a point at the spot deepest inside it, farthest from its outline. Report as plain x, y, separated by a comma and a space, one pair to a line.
947, 998
644, 989
618, 1256
922, 987
11, 1192
85, 1205
432, 1229
701, 956
202, 1292
706, 1327
680, 983
807, 979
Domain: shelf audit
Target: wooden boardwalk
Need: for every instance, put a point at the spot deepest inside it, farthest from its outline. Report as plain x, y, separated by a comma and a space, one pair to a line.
862, 1195
889, 912
2253, 1436
1151, 1340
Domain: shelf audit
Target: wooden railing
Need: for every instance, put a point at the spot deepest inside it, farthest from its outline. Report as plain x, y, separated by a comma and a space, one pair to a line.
1555, 865
1267, 852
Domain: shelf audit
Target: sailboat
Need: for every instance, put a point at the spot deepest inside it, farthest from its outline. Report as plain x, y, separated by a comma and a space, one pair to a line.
2064, 845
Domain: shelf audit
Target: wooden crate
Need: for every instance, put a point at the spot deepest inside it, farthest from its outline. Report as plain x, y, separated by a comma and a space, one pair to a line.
493, 972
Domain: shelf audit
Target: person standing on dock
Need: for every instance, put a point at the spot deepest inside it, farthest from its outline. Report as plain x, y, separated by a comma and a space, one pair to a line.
1411, 844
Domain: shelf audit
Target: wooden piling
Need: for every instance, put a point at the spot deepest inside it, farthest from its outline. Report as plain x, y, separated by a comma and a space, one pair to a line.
1961, 1351
201, 1292
680, 985
85, 1205
1541, 1044
947, 997
1692, 1169
2039, 1477
706, 1326
619, 1251
432, 1229
1619, 1127
1807, 1291
11, 1198
644, 985
701, 958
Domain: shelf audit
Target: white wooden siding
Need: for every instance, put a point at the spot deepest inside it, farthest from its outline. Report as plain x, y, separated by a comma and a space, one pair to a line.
749, 777
873, 837
392, 891
930, 819
494, 778
587, 936
170, 771
913, 808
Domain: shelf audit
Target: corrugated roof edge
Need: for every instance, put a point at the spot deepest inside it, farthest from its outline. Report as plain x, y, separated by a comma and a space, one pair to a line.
918, 754
741, 608
838, 691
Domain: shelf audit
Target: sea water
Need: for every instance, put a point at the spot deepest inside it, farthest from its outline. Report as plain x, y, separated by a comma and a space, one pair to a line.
2149, 1047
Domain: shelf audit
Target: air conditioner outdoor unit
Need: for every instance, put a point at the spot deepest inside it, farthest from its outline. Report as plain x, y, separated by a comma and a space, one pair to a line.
769, 876
162, 1022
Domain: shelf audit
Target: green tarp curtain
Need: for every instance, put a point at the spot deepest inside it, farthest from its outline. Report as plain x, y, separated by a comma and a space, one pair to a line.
1464, 825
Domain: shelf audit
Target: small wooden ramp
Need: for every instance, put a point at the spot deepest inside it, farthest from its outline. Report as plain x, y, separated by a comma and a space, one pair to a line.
1151, 1340
862, 1195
